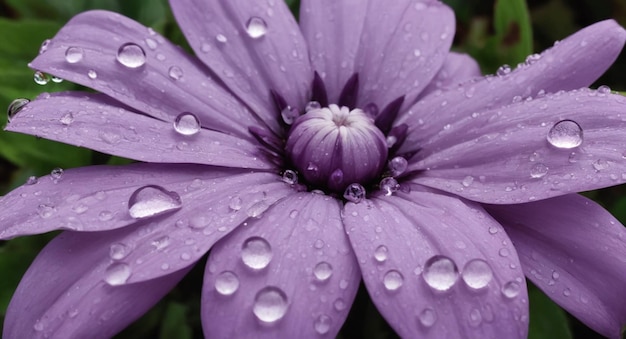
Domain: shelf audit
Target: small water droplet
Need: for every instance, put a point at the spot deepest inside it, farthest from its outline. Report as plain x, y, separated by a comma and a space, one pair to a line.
226, 283
398, 165
538, 171
493, 230
270, 304
105, 216
92, 74
56, 174
380, 254
15, 106
131, 55
118, 251
467, 181
477, 274
293, 214
221, 38
567, 292
440, 273
428, 317
32, 180
290, 177
161, 243
175, 73
56, 80
354, 193
565, 134
322, 324
152, 200
318, 244
503, 252
312, 105
187, 124
323, 271
41, 78
389, 185
256, 253
38, 326
393, 280
600, 164
235, 204
256, 27
44, 46
339, 305
45, 211
475, 318
289, 114
257, 209
511, 289
74, 55
604, 89
503, 70
117, 274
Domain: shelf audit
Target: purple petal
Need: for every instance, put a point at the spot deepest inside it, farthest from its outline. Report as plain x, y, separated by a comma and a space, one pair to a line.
66, 292
411, 249
457, 68
562, 143
571, 64
575, 251
406, 45
289, 274
168, 84
253, 47
97, 122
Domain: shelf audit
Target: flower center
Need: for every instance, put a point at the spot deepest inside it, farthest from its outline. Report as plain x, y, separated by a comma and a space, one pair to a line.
333, 147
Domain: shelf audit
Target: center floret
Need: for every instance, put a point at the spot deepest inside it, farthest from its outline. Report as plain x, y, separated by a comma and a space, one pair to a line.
333, 147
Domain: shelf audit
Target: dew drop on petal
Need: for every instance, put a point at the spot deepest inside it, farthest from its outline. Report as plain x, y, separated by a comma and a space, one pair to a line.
538, 171
312, 105
440, 273
118, 251
380, 254
15, 106
56, 79
131, 55
270, 304
44, 46
235, 204
226, 283
92, 74
389, 186
41, 78
256, 27
393, 280
289, 115
604, 89
322, 324
117, 274
503, 70
354, 193
32, 180
256, 253
221, 38
187, 124
398, 166
565, 134
323, 271
290, 177
511, 289
56, 174
477, 274
175, 73
74, 55
152, 200
428, 317
67, 119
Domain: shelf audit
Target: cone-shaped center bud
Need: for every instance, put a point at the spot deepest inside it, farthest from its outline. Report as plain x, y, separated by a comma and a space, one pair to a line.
334, 147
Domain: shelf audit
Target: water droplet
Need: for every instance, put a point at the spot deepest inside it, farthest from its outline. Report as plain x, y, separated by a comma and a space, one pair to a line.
117, 274
428, 317
503, 70
221, 38
105, 216
475, 318
152, 200
45, 211
92, 74
312, 105
477, 274
41, 78
604, 89
393, 280
565, 134
56, 174
398, 166
323, 271
600, 164
56, 80
389, 185
289, 115
538, 171
118, 251
161, 243
15, 106
339, 305
32, 180
511, 289
257, 209
293, 214
440, 273
235, 204
318, 244
270, 304
256, 253
322, 324
74, 55
467, 181
503, 252
290, 177
175, 73
256, 27
44, 46
187, 124
226, 283
380, 254
38, 326
567, 292
354, 193
131, 55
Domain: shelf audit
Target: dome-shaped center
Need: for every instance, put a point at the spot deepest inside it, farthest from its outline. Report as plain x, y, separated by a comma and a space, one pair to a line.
334, 147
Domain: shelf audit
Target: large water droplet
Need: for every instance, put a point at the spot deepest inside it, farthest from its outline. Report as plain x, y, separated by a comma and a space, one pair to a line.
565, 134
511, 289
131, 55
354, 193
187, 124
74, 55
256, 253
41, 78
270, 304
226, 283
117, 274
380, 254
256, 27
538, 171
428, 317
322, 324
393, 280
15, 106
152, 200
440, 273
323, 271
477, 274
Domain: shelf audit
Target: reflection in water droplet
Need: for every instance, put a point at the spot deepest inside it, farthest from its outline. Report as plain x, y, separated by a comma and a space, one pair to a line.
256, 253
226, 283
511, 289
323, 271
117, 274
428, 317
73, 55
565, 134
477, 274
152, 200
380, 254
15, 106
56, 174
393, 280
187, 124
354, 193
256, 27
270, 304
175, 73
290, 177
389, 186
41, 78
440, 273
131, 55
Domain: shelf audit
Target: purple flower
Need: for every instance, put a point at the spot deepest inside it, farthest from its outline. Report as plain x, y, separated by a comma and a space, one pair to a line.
306, 158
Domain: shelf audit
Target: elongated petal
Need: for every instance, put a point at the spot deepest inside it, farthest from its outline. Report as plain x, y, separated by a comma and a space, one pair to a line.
457, 68
575, 251
571, 64
290, 274
99, 123
411, 250
65, 294
252, 46
395, 47
563, 143
168, 84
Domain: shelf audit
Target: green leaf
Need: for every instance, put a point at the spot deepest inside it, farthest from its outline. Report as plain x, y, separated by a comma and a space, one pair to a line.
175, 322
513, 30
547, 319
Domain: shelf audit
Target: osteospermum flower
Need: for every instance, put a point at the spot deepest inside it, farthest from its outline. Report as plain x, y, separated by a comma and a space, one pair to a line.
306, 158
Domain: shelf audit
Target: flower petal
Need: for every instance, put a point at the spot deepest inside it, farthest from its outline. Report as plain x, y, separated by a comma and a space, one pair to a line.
457, 68
406, 43
168, 84
575, 251
559, 144
99, 123
252, 46
400, 241
289, 274
65, 294
571, 64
